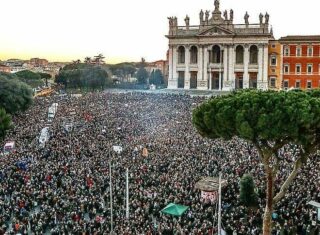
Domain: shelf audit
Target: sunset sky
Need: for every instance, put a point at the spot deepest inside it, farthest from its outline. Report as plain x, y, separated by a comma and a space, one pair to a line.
126, 30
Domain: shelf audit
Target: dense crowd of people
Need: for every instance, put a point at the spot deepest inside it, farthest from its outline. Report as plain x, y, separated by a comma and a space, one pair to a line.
64, 187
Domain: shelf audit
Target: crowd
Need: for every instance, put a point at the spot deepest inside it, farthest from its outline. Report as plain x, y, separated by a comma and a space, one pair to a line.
64, 187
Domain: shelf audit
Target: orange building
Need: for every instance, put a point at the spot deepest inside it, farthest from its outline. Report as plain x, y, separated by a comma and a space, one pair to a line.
4, 68
275, 64
300, 61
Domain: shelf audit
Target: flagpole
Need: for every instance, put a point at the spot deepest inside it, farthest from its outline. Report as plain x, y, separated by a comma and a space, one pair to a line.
219, 208
127, 194
111, 209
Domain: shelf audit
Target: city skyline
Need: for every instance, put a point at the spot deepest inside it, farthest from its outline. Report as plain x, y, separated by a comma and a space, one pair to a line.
125, 30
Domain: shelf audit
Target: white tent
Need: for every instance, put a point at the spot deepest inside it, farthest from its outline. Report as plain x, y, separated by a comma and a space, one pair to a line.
9, 146
117, 149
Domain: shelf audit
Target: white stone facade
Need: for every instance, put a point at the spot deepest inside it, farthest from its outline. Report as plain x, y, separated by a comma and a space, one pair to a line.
217, 54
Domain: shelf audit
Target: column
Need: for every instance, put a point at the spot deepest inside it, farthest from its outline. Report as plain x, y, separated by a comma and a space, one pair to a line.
225, 65
200, 64
210, 80
265, 67
203, 84
260, 67
173, 80
230, 80
246, 67
187, 71
170, 63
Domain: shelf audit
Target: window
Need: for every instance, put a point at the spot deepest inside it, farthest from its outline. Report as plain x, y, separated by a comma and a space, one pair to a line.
310, 51
272, 82
298, 84
286, 69
310, 68
215, 55
181, 55
286, 51
298, 51
253, 54
239, 54
273, 46
285, 84
193, 55
273, 60
298, 68
309, 85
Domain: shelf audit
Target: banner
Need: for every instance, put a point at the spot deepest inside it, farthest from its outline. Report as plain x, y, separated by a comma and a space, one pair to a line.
209, 196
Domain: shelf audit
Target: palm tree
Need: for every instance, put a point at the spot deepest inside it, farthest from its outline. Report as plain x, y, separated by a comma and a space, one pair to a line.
99, 59
5, 123
87, 60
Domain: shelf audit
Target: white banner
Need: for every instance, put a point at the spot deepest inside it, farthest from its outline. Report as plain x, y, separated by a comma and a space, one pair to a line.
209, 196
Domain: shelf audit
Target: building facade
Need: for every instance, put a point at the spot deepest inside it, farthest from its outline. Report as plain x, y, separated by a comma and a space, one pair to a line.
5, 69
275, 65
300, 62
218, 54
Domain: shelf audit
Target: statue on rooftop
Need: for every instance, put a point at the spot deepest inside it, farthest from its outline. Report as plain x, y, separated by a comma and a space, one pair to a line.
207, 17
225, 15
187, 20
267, 18
201, 16
216, 4
246, 18
231, 15
261, 18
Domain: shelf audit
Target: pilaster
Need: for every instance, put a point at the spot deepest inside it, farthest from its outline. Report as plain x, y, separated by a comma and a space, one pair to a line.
187, 71
246, 67
203, 84
265, 67
173, 80
260, 67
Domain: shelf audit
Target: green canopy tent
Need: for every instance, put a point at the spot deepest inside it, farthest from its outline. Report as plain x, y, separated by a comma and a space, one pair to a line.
174, 209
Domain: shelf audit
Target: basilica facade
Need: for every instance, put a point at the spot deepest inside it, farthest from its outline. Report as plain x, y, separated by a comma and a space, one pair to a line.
218, 54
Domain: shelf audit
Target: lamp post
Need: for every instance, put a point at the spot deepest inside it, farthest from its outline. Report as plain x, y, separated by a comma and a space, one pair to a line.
111, 209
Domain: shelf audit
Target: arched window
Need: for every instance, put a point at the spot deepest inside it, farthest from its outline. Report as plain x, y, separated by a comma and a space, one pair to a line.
193, 55
239, 54
254, 54
181, 55
215, 55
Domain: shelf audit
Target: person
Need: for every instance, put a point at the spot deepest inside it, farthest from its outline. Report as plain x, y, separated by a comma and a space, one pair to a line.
65, 186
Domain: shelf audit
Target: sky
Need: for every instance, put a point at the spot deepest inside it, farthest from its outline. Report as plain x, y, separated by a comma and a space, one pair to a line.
126, 30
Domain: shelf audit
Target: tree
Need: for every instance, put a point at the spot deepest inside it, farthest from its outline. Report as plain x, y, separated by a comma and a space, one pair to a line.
5, 123
156, 77
28, 75
30, 78
142, 75
248, 196
83, 76
269, 120
45, 76
15, 95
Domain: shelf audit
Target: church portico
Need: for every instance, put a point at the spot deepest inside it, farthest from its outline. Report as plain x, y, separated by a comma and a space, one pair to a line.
216, 52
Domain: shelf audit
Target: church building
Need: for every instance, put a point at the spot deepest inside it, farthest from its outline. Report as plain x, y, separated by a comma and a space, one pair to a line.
218, 54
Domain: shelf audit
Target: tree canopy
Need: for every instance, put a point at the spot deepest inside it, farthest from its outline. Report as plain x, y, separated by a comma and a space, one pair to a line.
83, 76
248, 196
31, 78
156, 77
142, 75
5, 123
269, 120
15, 95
